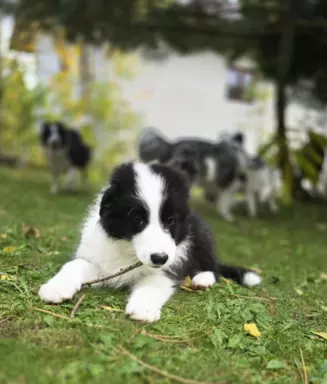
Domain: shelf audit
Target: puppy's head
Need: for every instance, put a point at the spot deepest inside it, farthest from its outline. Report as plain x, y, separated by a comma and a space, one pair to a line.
53, 135
148, 206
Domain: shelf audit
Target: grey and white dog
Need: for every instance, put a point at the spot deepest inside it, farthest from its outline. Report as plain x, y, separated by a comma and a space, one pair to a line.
222, 169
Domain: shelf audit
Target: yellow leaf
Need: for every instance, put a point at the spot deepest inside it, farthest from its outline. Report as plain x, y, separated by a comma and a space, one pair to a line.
9, 249
187, 285
4, 276
323, 335
3, 236
323, 276
252, 329
187, 282
225, 280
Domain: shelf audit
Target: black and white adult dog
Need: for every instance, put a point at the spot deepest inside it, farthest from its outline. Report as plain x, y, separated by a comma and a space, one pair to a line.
65, 152
143, 215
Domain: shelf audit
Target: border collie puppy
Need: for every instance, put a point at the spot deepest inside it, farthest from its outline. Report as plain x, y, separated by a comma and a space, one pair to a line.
65, 152
143, 215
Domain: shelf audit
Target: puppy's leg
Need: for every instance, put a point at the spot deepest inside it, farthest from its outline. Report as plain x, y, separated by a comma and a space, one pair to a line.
225, 200
70, 178
148, 296
272, 204
85, 178
203, 280
251, 202
54, 188
68, 281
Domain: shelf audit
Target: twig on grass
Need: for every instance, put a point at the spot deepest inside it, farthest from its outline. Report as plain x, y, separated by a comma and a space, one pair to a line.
175, 340
305, 375
74, 310
121, 272
50, 313
164, 373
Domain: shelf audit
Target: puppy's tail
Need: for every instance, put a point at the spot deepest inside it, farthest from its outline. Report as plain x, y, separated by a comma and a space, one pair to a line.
240, 275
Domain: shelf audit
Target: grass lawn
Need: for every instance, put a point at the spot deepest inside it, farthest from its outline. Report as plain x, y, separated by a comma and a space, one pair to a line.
200, 336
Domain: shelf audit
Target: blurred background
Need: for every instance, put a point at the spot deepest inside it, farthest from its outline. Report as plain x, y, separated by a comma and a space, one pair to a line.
198, 68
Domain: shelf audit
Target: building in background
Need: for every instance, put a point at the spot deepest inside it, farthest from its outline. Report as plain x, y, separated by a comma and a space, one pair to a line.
193, 95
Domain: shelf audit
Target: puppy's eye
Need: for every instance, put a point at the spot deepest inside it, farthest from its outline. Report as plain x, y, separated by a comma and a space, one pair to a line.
171, 221
139, 220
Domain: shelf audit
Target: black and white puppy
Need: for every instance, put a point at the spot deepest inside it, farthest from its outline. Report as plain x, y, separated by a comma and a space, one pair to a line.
143, 215
65, 151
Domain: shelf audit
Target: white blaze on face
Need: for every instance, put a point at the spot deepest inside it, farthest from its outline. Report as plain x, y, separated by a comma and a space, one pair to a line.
154, 238
54, 134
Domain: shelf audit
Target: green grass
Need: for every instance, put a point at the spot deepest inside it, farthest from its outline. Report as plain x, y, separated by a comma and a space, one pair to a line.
212, 346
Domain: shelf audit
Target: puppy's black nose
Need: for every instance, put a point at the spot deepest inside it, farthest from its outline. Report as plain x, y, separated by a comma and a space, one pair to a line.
159, 258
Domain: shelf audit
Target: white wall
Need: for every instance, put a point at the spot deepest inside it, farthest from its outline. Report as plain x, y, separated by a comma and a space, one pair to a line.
185, 95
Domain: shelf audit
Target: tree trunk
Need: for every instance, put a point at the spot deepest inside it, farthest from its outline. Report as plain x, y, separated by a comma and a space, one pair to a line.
284, 60
85, 71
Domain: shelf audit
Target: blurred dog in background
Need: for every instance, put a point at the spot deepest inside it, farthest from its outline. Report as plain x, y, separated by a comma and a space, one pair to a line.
222, 169
66, 153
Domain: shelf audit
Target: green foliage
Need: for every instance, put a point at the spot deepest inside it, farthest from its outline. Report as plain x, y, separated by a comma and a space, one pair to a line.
17, 119
110, 127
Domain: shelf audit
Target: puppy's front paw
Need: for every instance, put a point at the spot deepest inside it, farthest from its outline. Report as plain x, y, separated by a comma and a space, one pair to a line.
203, 280
142, 311
57, 291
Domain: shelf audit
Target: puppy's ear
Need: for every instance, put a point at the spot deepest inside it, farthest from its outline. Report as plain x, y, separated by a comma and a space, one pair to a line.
107, 201
239, 138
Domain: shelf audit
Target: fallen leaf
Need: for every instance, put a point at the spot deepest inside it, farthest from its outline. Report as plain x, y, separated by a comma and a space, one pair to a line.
299, 291
323, 335
29, 231
11, 249
64, 238
187, 282
275, 364
187, 285
4, 276
110, 309
225, 280
252, 329
3, 236
323, 276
